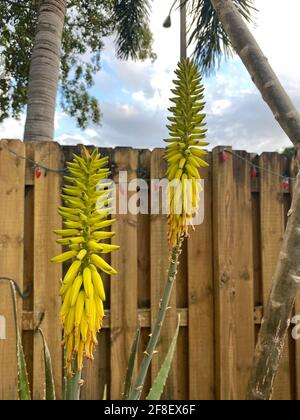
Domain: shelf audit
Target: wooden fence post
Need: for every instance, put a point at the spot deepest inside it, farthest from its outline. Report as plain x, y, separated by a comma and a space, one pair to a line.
201, 301
47, 276
225, 287
12, 185
124, 285
242, 253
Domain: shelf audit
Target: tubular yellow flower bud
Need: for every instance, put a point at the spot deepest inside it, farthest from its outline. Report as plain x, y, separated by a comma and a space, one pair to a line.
98, 284
64, 257
79, 308
103, 265
75, 290
183, 156
87, 282
81, 254
82, 289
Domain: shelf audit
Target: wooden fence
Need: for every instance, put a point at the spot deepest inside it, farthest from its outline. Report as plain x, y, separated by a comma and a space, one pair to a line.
222, 286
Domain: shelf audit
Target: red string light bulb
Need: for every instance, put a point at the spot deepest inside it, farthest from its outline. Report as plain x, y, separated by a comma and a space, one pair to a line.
253, 172
286, 184
38, 173
223, 156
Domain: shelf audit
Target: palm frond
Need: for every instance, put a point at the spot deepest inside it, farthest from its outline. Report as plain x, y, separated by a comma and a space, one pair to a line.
134, 37
206, 32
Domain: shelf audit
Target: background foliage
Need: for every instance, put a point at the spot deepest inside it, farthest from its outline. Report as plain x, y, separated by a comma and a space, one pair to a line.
87, 24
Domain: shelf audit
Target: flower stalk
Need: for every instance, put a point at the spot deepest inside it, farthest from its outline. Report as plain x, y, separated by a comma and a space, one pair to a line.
184, 155
164, 304
73, 383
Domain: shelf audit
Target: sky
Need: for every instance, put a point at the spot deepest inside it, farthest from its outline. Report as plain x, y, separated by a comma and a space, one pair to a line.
134, 96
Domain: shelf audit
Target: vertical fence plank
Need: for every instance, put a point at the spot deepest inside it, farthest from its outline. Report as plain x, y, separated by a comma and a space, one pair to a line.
224, 281
181, 363
159, 266
124, 286
96, 373
12, 181
47, 275
143, 237
272, 231
201, 301
243, 269
27, 336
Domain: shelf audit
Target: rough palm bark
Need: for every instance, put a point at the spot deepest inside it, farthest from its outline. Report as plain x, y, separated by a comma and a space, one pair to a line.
277, 314
286, 279
44, 71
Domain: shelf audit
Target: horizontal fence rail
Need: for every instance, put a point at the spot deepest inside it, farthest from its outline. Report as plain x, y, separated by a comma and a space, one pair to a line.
222, 285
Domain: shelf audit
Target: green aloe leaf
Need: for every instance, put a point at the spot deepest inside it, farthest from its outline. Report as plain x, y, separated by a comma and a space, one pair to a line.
161, 379
49, 379
23, 384
131, 363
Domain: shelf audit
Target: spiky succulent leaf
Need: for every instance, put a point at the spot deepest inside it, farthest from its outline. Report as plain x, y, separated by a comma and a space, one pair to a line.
131, 363
161, 379
49, 379
86, 213
184, 153
23, 384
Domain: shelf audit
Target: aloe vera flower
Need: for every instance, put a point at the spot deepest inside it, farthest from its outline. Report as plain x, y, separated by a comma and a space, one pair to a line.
86, 214
184, 153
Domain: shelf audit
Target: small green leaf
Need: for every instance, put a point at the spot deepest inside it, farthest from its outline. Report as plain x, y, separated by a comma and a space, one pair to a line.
23, 385
132, 358
104, 398
49, 380
161, 379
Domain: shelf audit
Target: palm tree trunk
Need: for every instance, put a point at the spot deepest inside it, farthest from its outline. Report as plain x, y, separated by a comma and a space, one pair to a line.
286, 280
44, 71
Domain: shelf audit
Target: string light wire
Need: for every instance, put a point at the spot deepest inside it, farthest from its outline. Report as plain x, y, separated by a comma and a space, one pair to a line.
63, 171
260, 168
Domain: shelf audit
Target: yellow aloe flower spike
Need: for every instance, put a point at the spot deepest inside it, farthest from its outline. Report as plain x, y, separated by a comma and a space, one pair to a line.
82, 288
184, 153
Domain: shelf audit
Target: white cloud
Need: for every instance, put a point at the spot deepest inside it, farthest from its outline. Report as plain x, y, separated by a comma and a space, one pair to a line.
12, 129
236, 113
278, 32
219, 106
134, 96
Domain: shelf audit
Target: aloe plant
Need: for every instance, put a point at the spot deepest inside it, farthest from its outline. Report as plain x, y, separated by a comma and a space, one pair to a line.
23, 383
184, 155
85, 214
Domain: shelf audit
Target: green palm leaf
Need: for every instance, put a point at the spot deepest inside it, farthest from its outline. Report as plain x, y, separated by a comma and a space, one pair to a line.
206, 32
